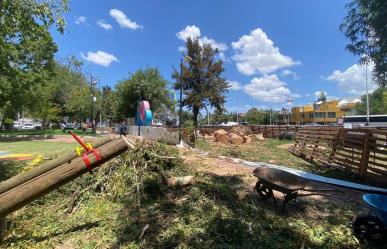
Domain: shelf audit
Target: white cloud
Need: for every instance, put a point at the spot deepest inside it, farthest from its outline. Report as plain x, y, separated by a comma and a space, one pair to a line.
352, 80
234, 85
269, 88
81, 20
123, 20
194, 32
103, 24
100, 57
255, 53
287, 72
188, 31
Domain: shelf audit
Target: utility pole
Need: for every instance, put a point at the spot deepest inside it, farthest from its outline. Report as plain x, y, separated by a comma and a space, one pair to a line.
92, 105
181, 98
237, 111
368, 103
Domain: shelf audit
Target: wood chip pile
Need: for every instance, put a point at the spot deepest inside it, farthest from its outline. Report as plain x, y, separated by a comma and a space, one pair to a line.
237, 135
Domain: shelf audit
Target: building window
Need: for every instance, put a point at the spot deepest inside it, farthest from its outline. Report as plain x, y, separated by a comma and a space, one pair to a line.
331, 114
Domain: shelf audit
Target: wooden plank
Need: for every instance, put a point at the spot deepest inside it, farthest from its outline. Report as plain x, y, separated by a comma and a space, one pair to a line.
377, 157
379, 171
349, 157
374, 150
345, 160
351, 151
378, 164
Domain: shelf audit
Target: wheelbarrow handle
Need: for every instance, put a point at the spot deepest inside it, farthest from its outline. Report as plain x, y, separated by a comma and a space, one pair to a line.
310, 194
323, 190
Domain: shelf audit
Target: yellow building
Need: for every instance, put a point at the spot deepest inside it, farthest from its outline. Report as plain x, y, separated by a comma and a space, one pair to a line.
320, 112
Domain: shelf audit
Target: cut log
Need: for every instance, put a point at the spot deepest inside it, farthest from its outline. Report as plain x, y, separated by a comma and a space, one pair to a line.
40, 185
241, 130
221, 136
248, 139
180, 181
259, 136
24, 177
235, 139
220, 132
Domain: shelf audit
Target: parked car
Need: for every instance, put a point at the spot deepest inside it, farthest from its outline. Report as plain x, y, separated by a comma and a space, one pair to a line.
17, 125
28, 126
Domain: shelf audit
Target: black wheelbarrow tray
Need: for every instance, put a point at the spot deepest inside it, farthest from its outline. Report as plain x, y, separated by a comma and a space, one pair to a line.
288, 184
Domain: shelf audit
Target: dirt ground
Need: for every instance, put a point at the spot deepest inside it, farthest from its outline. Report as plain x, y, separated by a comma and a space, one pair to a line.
222, 166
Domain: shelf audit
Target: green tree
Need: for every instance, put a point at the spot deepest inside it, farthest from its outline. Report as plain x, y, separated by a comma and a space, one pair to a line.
202, 79
145, 84
322, 96
108, 104
255, 116
58, 96
377, 100
218, 117
365, 27
78, 104
26, 47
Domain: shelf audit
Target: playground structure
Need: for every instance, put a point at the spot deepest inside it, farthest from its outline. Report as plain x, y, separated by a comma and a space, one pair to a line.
24, 188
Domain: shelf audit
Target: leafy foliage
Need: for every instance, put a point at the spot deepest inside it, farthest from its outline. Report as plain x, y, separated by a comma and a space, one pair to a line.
365, 27
377, 100
26, 47
322, 97
202, 80
145, 84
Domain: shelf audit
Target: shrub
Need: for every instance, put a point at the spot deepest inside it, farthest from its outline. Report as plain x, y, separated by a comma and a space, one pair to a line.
8, 124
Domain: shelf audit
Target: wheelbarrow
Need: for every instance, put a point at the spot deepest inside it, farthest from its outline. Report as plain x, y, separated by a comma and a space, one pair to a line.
372, 226
288, 184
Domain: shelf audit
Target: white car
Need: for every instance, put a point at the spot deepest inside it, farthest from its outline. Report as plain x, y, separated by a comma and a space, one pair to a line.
28, 126
17, 125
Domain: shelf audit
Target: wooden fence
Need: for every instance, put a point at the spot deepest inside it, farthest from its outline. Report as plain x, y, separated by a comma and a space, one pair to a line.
363, 151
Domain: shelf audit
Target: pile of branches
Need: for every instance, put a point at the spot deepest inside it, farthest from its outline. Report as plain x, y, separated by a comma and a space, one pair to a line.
136, 173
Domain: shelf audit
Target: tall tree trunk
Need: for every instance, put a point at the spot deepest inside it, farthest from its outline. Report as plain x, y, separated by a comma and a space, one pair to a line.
195, 115
195, 120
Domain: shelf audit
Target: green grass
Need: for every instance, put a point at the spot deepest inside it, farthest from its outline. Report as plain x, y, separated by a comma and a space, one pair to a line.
42, 132
268, 150
44, 148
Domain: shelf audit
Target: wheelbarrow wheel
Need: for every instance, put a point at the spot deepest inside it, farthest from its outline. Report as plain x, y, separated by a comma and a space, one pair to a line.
368, 228
263, 191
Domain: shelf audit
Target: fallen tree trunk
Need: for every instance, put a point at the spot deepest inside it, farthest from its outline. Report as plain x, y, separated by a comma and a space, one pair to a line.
40, 185
23, 177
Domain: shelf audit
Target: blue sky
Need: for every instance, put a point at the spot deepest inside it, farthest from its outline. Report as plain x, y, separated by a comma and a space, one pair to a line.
273, 50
